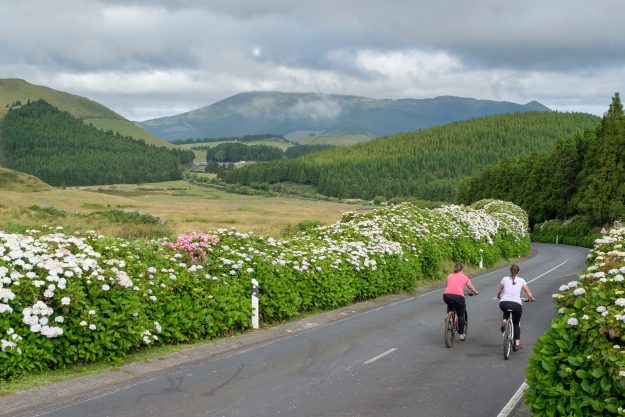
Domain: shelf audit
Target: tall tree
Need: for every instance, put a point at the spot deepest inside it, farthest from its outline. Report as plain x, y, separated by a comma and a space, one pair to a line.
601, 194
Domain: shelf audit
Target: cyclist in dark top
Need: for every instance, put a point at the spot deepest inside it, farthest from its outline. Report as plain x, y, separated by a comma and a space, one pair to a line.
454, 294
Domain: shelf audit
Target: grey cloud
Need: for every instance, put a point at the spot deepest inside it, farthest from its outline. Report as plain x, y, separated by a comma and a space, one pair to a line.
210, 43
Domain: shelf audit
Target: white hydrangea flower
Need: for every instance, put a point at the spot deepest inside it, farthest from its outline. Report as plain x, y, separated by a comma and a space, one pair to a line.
572, 322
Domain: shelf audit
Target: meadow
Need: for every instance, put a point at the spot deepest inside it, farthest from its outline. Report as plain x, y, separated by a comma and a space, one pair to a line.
176, 206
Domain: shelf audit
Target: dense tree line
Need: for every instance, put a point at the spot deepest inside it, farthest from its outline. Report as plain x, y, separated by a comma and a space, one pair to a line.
184, 156
43, 141
221, 156
429, 164
583, 175
247, 138
235, 151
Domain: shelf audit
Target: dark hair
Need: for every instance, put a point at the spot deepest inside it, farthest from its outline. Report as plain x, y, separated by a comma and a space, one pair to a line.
514, 269
458, 267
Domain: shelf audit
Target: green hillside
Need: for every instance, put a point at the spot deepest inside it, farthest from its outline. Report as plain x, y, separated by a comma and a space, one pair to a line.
50, 144
16, 181
89, 111
428, 164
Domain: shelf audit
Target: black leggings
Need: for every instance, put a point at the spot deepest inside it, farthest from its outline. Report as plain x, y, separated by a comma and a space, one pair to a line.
517, 311
461, 308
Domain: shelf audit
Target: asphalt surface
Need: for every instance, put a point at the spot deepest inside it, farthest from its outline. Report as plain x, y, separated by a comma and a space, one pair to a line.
384, 357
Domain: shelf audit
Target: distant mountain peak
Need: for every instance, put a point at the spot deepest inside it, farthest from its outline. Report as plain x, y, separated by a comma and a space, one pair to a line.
282, 113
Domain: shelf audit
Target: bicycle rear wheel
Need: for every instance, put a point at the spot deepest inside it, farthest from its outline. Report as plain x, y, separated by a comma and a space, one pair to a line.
449, 329
508, 336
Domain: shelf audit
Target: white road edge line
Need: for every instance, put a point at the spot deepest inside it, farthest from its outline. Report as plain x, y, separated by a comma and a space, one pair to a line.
545, 273
505, 412
381, 355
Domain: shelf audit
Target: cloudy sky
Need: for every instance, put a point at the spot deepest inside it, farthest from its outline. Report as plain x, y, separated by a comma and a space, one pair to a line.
152, 58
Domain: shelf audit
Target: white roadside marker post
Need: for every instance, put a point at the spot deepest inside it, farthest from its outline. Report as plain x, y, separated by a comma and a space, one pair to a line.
255, 304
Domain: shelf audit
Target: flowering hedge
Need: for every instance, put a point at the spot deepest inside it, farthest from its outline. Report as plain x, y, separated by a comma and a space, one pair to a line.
70, 299
578, 367
576, 231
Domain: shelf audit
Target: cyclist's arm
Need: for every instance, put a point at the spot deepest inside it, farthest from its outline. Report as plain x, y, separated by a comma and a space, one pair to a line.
499, 290
528, 292
471, 287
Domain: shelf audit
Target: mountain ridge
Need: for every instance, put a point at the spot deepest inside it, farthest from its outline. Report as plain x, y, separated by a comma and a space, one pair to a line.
283, 113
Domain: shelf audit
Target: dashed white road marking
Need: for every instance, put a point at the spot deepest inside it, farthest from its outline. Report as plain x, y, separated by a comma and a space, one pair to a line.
545, 273
381, 355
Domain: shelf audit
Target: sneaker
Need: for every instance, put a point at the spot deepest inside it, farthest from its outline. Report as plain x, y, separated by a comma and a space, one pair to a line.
517, 347
462, 336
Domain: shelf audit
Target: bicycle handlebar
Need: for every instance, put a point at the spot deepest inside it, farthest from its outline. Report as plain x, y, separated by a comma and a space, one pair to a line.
526, 299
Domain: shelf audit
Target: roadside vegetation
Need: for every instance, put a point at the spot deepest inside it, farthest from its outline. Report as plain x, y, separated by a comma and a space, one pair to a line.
578, 367
77, 299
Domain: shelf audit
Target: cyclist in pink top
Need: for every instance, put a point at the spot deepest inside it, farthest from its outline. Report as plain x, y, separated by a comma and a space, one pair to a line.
454, 295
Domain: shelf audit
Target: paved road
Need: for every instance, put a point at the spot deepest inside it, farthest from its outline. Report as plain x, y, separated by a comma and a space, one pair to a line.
388, 361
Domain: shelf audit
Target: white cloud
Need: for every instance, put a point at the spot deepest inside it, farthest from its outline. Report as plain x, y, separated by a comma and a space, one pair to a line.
407, 66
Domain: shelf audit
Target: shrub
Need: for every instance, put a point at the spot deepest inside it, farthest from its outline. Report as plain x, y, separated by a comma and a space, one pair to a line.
578, 367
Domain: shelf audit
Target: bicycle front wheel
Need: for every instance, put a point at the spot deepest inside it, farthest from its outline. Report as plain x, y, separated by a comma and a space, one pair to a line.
449, 329
508, 336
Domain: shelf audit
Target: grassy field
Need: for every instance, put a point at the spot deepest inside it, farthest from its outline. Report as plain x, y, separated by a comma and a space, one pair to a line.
275, 143
184, 207
336, 140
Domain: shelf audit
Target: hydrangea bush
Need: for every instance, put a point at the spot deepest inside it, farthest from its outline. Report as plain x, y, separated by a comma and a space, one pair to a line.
71, 299
578, 367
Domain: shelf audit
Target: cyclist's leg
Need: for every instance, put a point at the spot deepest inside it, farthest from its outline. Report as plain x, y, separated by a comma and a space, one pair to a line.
503, 306
461, 308
517, 312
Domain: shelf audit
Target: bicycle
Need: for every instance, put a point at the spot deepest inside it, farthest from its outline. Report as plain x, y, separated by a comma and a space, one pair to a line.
508, 333
451, 324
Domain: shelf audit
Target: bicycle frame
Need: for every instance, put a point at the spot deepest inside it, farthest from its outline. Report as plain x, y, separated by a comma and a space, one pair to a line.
508, 334
451, 324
